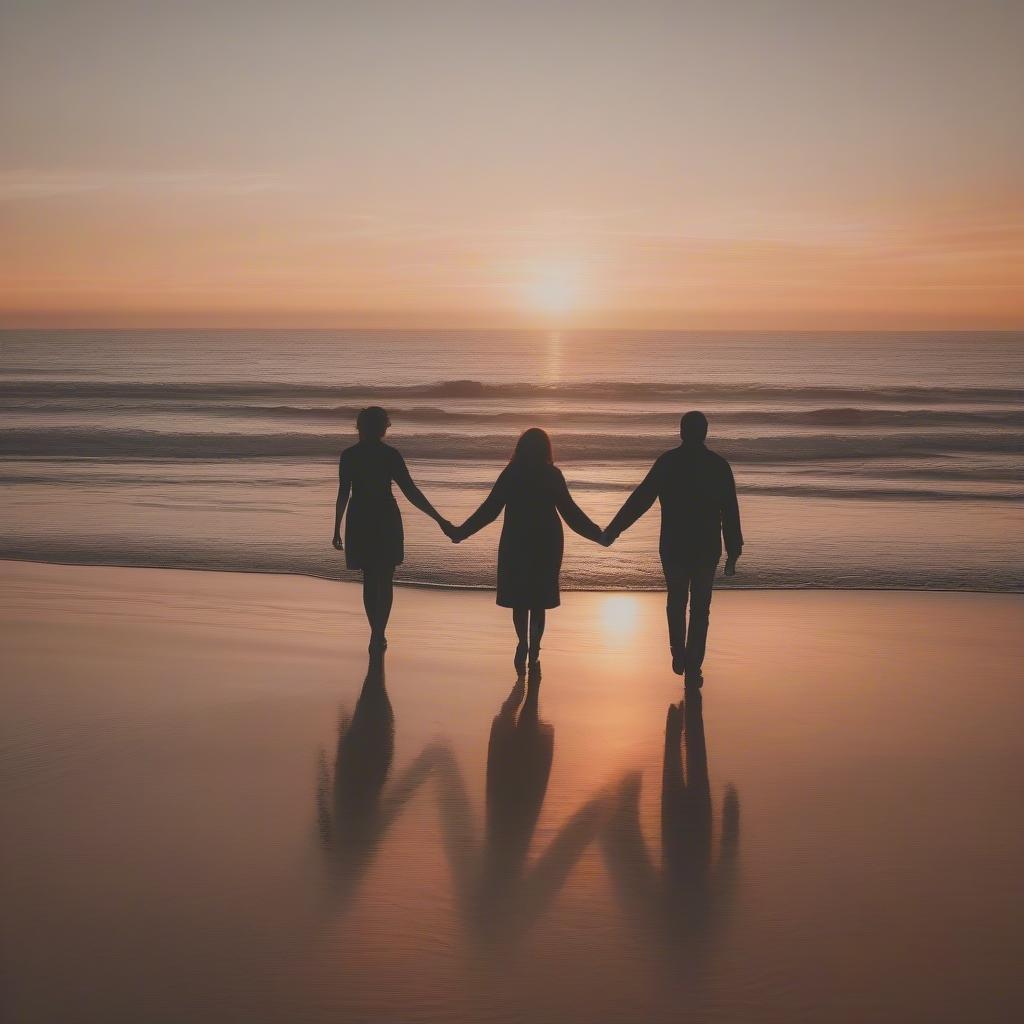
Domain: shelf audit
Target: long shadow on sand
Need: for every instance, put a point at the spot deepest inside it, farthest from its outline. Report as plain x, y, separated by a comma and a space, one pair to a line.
499, 893
682, 902
354, 814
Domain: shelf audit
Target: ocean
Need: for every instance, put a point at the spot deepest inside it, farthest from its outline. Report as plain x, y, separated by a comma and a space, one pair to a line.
863, 460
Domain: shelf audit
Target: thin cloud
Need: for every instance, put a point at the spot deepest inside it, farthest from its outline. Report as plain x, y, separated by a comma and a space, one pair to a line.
18, 186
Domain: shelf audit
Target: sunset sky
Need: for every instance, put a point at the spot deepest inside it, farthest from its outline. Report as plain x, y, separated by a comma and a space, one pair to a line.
648, 164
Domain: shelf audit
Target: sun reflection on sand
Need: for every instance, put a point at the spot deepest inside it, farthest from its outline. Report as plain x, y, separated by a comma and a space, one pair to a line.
619, 618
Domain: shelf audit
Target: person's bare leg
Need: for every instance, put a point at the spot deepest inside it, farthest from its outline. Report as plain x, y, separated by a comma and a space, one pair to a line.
521, 620
384, 598
369, 596
538, 619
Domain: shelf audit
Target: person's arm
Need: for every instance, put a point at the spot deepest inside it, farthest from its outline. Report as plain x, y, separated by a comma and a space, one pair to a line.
344, 490
731, 533
636, 504
417, 499
575, 518
488, 511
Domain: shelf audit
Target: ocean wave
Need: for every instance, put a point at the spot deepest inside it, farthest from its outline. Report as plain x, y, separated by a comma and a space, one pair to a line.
996, 579
837, 417
848, 417
930, 486
478, 390
72, 442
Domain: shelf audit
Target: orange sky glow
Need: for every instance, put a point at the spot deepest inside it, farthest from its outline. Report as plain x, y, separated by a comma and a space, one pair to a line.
648, 164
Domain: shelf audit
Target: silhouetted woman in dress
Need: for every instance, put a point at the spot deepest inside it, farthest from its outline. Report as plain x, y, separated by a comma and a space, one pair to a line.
374, 539
533, 492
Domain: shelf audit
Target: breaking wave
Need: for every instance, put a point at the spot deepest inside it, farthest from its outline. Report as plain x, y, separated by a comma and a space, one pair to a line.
473, 389
72, 442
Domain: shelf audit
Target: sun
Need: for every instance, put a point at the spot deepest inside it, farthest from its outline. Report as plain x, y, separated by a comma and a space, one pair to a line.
553, 289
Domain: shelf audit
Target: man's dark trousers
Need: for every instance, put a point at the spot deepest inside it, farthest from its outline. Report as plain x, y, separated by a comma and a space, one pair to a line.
691, 583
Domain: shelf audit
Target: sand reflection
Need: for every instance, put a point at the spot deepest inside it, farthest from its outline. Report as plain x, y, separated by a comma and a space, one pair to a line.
354, 813
683, 901
499, 892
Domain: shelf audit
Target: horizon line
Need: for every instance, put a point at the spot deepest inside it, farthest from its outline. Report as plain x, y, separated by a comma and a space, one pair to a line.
490, 327
310, 322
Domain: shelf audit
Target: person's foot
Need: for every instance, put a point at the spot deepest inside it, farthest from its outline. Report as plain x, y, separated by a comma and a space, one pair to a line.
520, 659
678, 663
694, 679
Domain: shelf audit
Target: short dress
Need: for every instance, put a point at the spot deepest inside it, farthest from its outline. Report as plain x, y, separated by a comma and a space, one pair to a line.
374, 536
535, 500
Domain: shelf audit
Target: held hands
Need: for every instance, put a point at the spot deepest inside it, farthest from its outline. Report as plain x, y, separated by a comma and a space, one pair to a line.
453, 533
606, 539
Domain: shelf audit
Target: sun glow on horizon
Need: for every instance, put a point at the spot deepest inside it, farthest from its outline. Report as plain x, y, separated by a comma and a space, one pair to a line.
554, 289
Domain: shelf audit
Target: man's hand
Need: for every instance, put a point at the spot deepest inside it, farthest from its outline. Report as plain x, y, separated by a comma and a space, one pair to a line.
730, 567
336, 541
451, 532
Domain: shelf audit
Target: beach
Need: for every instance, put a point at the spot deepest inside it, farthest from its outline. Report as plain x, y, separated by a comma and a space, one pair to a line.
831, 833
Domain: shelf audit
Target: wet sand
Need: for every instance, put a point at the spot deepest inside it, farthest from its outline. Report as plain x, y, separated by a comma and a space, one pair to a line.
210, 814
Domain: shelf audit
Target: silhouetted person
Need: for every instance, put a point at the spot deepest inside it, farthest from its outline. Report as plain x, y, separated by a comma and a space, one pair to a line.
533, 492
374, 538
698, 507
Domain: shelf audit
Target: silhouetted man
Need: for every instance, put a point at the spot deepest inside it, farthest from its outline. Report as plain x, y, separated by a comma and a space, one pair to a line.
698, 507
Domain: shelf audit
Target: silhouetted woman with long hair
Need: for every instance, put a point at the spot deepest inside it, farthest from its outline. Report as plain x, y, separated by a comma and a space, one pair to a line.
374, 538
535, 497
